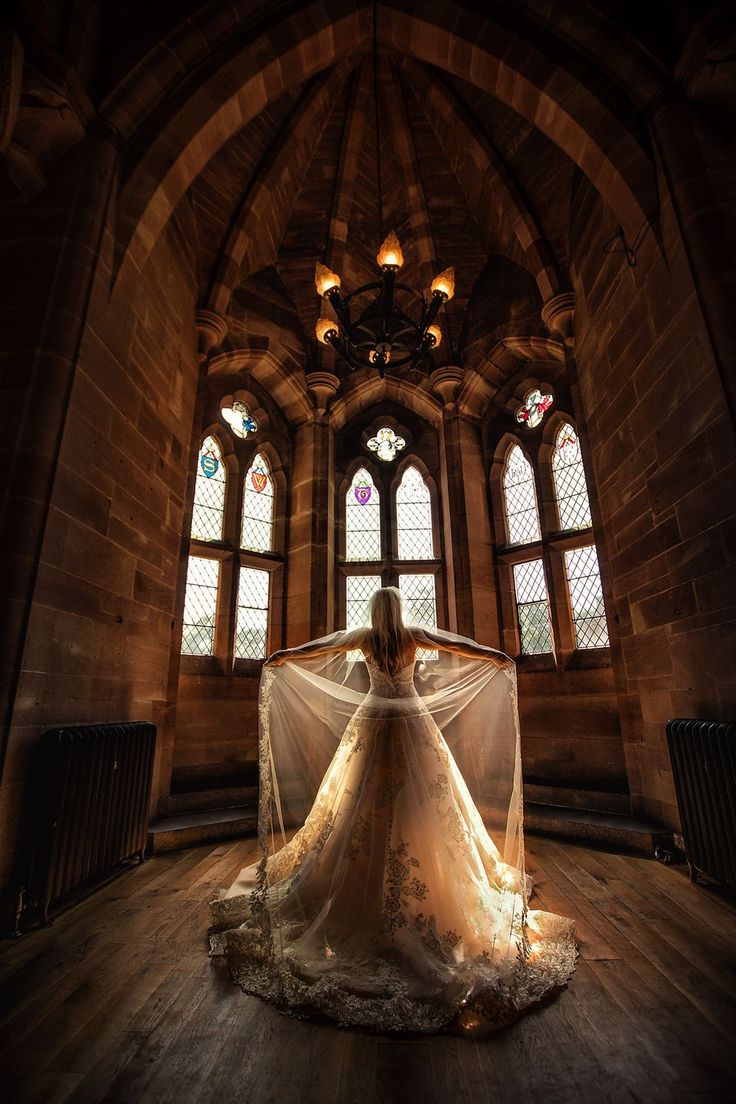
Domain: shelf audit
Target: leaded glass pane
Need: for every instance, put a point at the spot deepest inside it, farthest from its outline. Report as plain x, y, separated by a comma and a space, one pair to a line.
414, 517
520, 499
362, 519
257, 527
251, 628
586, 598
420, 605
532, 607
209, 492
569, 477
359, 590
200, 606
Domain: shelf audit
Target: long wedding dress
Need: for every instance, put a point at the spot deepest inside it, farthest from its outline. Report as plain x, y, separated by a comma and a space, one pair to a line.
391, 907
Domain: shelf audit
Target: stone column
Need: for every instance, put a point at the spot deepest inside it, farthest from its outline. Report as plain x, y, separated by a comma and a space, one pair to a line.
468, 553
310, 581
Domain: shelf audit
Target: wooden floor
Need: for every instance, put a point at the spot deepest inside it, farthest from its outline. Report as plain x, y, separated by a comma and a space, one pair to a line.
118, 1001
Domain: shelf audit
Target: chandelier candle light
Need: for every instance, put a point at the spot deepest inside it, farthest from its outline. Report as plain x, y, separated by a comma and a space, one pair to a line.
383, 333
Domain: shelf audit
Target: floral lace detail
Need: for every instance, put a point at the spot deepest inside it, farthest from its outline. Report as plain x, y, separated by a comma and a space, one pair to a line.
401, 887
360, 835
440, 788
440, 945
388, 790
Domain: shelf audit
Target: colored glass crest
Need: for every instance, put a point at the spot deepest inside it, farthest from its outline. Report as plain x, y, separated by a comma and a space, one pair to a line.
386, 444
209, 463
566, 437
534, 408
362, 492
239, 418
259, 478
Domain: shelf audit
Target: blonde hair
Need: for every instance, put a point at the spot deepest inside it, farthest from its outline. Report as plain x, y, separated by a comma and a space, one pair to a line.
389, 637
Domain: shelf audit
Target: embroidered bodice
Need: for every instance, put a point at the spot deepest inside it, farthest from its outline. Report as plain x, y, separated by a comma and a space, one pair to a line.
400, 685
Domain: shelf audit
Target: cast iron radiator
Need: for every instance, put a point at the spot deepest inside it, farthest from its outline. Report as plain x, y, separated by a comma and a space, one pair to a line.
89, 807
703, 755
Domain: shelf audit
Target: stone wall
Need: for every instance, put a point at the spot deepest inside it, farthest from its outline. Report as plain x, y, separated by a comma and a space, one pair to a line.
98, 644
664, 460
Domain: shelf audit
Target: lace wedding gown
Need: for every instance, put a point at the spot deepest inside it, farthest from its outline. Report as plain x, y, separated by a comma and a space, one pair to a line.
391, 908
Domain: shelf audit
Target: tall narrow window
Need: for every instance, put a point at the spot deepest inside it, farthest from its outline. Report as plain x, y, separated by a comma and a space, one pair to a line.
257, 527
359, 591
200, 606
520, 499
419, 599
209, 493
571, 491
586, 598
414, 517
362, 518
532, 607
251, 628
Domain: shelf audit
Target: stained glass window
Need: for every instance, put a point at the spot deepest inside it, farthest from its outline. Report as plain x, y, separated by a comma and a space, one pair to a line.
533, 408
414, 517
386, 444
586, 598
520, 498
200, 606
239, 418
532, 607
209, 492
258, 498
362, 519
420, 605
251, 627
569, 479
358, 592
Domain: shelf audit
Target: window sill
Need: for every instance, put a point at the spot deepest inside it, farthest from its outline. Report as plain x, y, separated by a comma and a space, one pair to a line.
586, 659
201, 665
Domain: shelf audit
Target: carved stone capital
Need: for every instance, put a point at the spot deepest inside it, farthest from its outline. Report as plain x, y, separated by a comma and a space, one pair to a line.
446, 382
211, 331
558, 315
322, 386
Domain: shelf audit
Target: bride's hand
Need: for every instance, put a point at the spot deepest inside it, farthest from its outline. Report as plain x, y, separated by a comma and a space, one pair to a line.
503, 662
275, 660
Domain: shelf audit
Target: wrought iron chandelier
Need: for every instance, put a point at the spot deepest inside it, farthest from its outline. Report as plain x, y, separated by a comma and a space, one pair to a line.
382, 333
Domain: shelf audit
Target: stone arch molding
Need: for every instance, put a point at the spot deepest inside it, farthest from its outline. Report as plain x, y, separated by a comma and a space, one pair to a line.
554, 89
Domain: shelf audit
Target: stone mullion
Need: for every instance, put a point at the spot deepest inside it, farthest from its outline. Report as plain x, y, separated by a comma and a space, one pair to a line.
323, 530
455, 529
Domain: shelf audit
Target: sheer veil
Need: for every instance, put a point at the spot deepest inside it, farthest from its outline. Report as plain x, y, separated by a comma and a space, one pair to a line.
315, 720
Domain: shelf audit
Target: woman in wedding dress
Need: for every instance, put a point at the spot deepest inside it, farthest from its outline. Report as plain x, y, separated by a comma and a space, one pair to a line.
401, 901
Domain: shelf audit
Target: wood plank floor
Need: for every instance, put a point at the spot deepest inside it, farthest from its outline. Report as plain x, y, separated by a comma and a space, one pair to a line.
117, 1001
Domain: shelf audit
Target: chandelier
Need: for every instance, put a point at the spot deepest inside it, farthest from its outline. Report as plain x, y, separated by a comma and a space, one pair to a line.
382, 333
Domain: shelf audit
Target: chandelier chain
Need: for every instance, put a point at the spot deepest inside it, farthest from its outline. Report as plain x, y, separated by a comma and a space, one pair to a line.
379, 184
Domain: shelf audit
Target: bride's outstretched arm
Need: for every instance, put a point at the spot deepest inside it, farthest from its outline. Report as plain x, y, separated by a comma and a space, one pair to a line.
462, 646
343, 642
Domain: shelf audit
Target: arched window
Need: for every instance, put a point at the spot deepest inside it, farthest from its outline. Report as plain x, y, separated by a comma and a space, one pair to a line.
231, 584
258, 501
520, 499
209, 493
403, 556
568, 473
362, 518
414, 517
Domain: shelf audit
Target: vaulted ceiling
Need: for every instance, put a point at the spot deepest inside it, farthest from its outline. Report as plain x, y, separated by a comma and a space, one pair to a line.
255, 123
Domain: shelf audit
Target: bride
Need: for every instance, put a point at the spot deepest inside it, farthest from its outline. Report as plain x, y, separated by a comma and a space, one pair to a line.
400, 903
